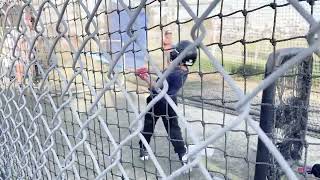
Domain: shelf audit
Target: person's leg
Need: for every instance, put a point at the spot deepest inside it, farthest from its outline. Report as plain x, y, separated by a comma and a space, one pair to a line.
174, 131
171, 124
150, 121
19, 72
36, 74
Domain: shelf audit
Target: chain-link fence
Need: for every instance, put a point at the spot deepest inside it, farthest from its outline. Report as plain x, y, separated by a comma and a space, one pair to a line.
72, 106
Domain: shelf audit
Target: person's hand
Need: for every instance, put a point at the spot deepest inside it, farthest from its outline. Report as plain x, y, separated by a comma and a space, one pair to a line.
145, 77
315, 170
143, 73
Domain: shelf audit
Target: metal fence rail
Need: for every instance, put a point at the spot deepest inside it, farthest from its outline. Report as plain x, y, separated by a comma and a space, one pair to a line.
61, 123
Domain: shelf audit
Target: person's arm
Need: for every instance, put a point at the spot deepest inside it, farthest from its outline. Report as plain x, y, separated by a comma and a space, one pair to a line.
314, 170
144, 75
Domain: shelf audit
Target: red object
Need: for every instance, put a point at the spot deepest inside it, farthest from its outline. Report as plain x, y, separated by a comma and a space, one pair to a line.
142, 72
303, 170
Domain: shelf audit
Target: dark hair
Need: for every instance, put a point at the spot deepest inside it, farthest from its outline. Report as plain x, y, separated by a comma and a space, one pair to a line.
167, 32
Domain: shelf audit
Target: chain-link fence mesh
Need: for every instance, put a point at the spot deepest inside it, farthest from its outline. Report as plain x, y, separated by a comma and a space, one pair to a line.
73, 108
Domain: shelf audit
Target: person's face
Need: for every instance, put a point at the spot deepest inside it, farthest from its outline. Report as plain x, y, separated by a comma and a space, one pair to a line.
29, 21
169, 36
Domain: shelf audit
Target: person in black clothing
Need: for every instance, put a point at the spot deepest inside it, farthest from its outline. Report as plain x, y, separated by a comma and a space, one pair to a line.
176, 80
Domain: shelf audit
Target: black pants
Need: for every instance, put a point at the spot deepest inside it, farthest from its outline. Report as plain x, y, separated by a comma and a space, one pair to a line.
169, 118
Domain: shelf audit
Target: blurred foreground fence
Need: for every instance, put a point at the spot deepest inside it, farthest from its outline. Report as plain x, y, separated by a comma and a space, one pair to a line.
72, 108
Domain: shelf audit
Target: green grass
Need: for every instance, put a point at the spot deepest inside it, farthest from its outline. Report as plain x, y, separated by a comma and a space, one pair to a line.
233, 67
252, 69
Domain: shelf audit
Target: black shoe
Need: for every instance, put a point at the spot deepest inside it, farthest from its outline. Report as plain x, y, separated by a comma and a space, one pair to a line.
144, 156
